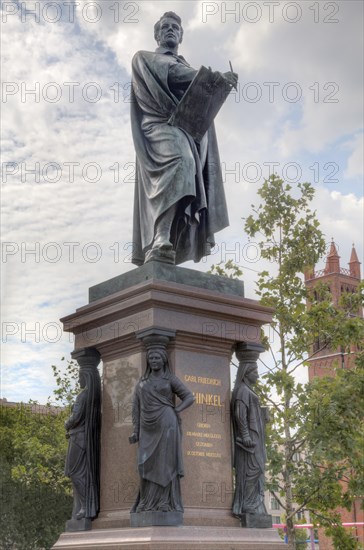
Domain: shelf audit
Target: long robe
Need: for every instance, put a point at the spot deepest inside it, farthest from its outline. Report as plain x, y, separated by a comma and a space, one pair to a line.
76, 463
248, 463
160, 461
171, 169
83, 455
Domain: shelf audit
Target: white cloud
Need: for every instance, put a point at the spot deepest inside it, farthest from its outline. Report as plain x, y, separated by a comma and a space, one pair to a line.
355, 164
341, 218
37, 290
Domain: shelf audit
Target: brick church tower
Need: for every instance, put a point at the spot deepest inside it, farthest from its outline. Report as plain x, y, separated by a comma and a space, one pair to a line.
324, 362
339, 280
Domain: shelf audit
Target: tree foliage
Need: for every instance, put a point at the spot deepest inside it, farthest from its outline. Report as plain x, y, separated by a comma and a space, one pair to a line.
315, 439
36, 497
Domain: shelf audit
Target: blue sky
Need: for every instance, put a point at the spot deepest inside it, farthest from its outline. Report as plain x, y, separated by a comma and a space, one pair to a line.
74, 211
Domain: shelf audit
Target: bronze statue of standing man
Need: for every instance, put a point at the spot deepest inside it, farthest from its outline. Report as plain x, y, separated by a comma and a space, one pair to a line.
179, 197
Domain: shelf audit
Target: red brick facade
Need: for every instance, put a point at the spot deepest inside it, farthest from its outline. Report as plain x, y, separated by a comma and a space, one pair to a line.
339, 280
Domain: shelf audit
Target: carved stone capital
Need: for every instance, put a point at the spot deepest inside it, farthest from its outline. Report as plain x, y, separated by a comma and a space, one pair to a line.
153, 337
86, 357
248, 352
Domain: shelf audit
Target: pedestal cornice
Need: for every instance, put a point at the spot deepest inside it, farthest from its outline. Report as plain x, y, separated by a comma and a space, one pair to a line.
155, 303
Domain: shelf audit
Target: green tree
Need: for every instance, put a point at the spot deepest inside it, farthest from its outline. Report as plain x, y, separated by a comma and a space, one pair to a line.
67, 383
301, 469
36, 497
333, 476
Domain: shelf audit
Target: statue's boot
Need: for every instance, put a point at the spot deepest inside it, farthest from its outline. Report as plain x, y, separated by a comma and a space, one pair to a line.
163, 230
162, 248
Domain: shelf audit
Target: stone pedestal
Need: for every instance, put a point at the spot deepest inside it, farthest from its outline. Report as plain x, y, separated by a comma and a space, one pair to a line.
172, 538
205, 316
148, 519
75, 525
256, 521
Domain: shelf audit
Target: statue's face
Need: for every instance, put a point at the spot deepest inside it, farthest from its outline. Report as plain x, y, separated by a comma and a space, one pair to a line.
155, 361
252, 376
170, 33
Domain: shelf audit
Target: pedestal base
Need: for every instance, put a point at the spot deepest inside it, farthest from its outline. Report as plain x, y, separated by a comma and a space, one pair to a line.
75, 525
148, 519
172, 538
256, 521
208, 316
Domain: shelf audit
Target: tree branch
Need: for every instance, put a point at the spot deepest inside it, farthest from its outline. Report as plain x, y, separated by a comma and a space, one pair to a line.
303, 505
308, 358
326, 519
280, 502
298, 445
266, 366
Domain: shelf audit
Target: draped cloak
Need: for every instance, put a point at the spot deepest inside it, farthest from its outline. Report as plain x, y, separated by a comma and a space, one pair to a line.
154, 418
171, 169
83, 455
249, 466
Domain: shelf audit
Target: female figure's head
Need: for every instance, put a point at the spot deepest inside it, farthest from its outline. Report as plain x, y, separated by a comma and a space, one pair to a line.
157, 362
247, 373
251, 375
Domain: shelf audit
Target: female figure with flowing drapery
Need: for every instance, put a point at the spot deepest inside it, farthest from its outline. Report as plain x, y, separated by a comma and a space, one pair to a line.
249, 443
157, 429
83, 455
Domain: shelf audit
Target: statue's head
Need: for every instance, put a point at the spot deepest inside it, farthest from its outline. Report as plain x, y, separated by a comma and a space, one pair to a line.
168, 31
251, 373
157, 359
